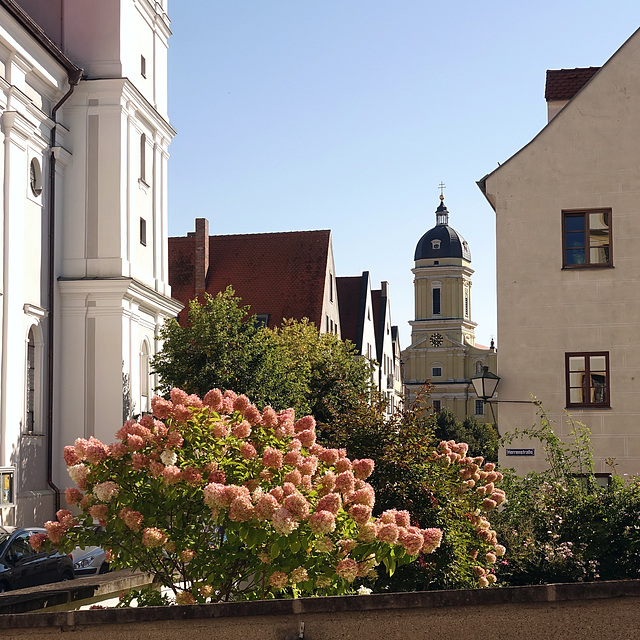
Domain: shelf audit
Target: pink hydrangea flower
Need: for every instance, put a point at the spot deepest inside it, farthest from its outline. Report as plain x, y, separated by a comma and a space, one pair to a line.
294, 477
388, 533
488, 504
266, 507
432, 539
345, 482
55, 531
71, 456
491, 557
329, 456
288, 488
242, 430
213, 399
293, 457
133, 519
233, 491
152, 537
105, 491
325, 545
171, 475
295, 444
500, 550
156, 468
139, 461
161, 408
296, 504
272, 458
362, 469
283, 522
252, 415
368, 532
278, 580
66, 518
241, 403
215, 495
269, 417
248, 451
328, 482
187, 555
412, 542
307, 422
78, 473
191, 476
388, 516
343, 464
308, 466
181, 413
331, 502
37, 540
322, 522
347, 569
241, 509
73, 496
307, 437
299, 574
174, 439
98, 511
365, 496
360, 513
118, 450
305, 483
403, 518
178, 396
277, 493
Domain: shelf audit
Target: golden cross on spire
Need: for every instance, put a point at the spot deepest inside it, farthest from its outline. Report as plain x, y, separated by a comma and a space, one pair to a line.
442, 187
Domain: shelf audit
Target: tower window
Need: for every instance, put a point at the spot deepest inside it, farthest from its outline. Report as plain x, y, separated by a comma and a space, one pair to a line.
435, 301
143, 232
479, 407
143, 66
435, 244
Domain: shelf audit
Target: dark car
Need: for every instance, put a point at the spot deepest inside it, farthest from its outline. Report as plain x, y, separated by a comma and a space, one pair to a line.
21, 566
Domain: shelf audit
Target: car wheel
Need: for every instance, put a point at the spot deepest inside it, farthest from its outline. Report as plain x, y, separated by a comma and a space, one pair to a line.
4, 587
67, 576
104, 568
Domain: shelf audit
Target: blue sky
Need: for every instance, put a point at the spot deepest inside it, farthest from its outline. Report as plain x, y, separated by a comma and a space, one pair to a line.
347, 114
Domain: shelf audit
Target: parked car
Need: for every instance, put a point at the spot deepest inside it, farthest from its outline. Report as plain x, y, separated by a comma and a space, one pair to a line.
89, 561
21, 566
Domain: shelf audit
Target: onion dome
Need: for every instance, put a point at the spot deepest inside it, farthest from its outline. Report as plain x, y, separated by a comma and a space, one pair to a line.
442, 241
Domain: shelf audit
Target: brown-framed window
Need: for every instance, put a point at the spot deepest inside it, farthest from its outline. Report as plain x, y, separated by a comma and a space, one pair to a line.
587, 379
437, 406
586, 239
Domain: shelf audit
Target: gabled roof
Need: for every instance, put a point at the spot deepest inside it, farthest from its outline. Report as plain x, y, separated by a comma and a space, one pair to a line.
563, 84
351, 308
280, 274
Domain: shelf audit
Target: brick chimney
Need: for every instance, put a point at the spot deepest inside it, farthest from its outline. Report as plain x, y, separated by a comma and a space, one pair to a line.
202, 255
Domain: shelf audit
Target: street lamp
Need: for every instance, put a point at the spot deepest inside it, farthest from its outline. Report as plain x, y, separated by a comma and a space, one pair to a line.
485, 383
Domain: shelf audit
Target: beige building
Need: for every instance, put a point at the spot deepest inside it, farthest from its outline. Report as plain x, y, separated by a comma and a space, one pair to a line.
568, 264
443, 351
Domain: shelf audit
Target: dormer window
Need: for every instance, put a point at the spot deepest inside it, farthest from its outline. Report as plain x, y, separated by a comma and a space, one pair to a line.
435, 244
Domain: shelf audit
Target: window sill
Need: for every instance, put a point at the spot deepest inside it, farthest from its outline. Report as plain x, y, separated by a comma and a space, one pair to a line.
589, 407
572, 267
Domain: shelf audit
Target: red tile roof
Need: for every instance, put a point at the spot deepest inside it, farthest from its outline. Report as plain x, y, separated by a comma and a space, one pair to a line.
563, 84
280, 274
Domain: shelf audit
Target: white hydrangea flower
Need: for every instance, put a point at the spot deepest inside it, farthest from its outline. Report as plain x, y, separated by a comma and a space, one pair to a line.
168, 457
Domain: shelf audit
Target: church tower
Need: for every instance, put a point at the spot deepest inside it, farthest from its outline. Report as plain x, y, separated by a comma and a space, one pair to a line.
443, 351
111, 265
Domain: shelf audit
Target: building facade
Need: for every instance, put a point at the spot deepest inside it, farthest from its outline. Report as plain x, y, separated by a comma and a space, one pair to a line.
85, 285
568, 233
365, 317
443, 353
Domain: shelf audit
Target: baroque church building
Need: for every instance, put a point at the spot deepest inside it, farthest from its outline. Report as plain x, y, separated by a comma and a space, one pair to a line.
84, 287
443, 354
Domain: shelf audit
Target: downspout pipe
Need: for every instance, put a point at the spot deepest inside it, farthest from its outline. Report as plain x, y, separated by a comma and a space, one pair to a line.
74, 76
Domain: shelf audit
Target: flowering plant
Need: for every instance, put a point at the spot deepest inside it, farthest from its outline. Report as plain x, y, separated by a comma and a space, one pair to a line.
218, 499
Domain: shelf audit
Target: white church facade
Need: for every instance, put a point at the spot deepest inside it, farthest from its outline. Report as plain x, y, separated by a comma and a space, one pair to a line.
84, 286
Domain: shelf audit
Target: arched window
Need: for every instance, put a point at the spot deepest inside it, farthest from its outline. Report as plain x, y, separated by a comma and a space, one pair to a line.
30, 386
145, 382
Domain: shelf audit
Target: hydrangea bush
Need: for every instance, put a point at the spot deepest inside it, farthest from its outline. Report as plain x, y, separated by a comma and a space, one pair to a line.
220, 500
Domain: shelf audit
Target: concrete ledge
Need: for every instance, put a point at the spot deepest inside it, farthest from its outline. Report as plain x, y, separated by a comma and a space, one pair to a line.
607, 610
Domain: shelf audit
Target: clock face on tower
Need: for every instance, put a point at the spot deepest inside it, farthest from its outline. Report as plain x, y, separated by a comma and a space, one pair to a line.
436, 339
